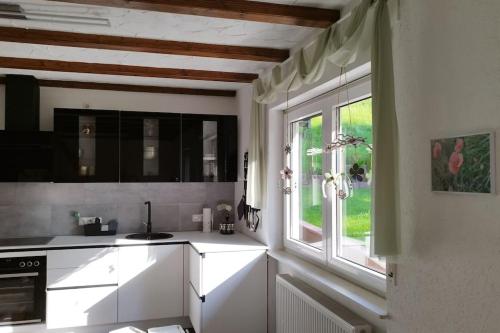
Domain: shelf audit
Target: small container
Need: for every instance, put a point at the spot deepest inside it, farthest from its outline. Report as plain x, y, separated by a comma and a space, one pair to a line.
98, 229
226, 228
84, 170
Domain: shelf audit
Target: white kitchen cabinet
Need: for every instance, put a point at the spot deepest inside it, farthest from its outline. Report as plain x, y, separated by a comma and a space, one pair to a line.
81, 287
150, 280
228, 291
81, 307
91, 257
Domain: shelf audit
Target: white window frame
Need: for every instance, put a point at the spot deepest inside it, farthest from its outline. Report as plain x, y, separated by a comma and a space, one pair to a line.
328, 105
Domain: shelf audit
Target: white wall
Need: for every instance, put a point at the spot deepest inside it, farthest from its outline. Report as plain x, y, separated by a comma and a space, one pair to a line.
270, 230
447, 71
51, 98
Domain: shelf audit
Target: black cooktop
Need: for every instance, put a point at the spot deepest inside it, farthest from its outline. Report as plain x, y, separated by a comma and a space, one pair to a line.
25, 241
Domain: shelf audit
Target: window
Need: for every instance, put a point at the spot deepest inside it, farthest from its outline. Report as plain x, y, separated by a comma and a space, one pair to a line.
307, 159
353, 222
320, 224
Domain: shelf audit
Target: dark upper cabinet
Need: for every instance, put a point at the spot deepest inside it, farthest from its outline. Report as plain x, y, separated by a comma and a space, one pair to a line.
150, 147
209, 148
26, 156
86, 146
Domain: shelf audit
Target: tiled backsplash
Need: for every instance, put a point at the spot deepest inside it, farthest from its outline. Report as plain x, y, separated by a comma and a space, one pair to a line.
40, 209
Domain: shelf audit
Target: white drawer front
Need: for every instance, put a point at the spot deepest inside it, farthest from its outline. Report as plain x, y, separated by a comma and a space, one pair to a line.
81, 307
195, 309
196, 270
90, 275
81, 257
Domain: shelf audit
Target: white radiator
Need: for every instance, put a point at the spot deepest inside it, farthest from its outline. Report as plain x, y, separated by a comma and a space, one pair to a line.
302, 309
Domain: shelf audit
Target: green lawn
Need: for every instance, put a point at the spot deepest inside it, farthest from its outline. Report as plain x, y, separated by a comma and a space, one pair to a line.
357, 223
354, 120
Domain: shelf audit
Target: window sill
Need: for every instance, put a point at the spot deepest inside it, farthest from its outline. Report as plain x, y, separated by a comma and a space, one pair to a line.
345, 289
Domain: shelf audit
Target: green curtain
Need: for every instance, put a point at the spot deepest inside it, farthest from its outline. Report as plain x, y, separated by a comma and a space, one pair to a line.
385, 210
367, 29
339, 45
256, 184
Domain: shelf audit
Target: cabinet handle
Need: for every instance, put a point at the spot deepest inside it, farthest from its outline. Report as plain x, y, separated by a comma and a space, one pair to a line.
84, 287
8, 276
202, 298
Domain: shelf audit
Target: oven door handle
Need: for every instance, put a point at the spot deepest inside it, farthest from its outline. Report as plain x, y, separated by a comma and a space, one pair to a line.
8, 276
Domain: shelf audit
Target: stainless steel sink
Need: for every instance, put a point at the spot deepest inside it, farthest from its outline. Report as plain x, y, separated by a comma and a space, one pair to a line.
150, 236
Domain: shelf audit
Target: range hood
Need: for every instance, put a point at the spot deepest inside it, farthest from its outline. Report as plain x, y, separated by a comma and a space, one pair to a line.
26, 151
22, 103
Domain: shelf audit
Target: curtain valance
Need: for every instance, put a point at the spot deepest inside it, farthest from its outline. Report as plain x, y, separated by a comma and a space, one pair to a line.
366, 30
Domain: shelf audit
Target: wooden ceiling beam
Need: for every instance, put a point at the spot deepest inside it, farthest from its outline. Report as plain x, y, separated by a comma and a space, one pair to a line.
133, 44
230, 9
125, 70
132, 88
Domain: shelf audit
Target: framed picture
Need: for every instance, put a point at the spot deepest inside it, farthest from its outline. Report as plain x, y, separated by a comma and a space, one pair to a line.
463, 164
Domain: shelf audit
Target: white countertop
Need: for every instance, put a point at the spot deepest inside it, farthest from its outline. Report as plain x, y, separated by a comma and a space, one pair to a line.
202, 242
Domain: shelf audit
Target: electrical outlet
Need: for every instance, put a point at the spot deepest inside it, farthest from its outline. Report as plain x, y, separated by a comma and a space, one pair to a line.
197, 218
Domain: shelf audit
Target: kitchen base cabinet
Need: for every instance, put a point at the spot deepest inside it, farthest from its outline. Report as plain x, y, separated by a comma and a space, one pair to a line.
228, 292
150, 282
81, 287
81, 307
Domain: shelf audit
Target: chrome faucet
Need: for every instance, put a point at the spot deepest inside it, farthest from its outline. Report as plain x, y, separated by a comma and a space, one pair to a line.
148, 225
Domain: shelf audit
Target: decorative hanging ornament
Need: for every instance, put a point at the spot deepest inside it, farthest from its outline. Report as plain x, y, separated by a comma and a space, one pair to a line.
286, 177
342, 184
288, 149
357, 173
286, 173
344, 140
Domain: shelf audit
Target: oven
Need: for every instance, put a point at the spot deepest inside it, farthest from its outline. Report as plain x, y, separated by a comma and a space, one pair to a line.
22, 287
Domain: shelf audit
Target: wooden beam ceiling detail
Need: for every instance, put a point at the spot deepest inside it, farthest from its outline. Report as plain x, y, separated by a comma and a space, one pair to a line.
126, 70
133, 44
230, 9
133, 88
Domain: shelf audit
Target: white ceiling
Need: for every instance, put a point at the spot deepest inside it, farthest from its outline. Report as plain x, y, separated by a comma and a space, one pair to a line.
166, 26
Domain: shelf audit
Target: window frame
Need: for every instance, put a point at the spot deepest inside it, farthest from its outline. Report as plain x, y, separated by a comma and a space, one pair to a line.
328, 105
304, 249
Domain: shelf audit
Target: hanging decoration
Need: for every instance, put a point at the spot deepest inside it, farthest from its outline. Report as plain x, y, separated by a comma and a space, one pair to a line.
286, 177
357, 173
344, 140
286, 174
341, 183
288, 149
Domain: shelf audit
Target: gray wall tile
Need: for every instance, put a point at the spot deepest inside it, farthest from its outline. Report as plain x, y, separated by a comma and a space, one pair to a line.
165, 218
186, 213
8, 194
39, 209
25, 220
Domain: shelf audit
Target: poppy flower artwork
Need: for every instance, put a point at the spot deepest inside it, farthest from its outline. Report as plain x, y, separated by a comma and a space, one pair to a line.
463, 164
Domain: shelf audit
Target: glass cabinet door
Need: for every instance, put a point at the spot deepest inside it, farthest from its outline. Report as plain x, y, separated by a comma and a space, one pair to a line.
149, 147
209, 148
86, 145
151, 143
